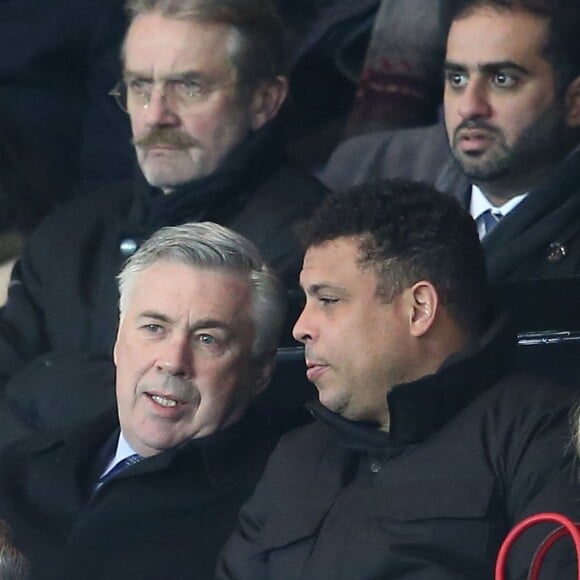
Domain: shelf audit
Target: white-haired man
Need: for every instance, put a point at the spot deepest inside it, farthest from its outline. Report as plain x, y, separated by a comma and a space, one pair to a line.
154, 490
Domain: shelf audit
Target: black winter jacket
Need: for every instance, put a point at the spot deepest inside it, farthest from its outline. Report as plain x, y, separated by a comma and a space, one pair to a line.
471, 451
165, 517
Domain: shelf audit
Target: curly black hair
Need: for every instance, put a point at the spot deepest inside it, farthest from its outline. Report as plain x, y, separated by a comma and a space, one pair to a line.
408, 232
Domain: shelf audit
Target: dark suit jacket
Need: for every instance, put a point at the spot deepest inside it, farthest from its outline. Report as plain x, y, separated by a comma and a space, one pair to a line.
472, 450
539, 239
165, 517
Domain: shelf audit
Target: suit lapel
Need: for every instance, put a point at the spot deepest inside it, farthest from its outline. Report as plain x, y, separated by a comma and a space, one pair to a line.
66, 465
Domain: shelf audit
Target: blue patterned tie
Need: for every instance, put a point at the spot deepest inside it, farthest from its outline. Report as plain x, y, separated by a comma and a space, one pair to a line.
118, 468
490, 220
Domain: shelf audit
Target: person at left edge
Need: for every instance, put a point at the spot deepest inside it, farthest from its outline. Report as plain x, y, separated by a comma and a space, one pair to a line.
203, 85
200, 315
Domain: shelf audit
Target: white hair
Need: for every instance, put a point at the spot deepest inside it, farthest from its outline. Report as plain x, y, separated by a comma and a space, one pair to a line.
209, 246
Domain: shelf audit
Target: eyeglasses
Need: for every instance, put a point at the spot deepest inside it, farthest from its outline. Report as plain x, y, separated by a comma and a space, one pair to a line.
184, 93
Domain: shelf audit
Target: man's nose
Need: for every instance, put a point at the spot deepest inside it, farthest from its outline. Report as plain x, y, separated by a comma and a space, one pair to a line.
160, 109
473, 102
302, 330
176, 357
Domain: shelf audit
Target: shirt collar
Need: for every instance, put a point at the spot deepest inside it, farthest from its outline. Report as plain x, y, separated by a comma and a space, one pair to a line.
123, 451
480, 204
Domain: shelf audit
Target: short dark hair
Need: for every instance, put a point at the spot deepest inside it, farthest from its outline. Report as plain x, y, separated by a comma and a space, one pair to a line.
257, 44
563, 47
408, 232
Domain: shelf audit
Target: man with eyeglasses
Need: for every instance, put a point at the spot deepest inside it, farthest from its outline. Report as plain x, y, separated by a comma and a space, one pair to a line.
203, 85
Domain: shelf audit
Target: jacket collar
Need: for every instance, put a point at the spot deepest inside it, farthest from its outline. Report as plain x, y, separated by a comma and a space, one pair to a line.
420, 408
226, 456
231, 454
549, 214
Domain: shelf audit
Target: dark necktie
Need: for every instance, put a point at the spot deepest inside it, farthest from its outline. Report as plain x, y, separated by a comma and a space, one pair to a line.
118, 468
490, 220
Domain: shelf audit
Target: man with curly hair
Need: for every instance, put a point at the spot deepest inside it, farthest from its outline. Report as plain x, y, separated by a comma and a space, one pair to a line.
426, 448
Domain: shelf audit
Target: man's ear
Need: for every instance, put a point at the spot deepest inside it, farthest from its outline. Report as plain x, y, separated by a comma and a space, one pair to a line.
264, 369
423, 303
117, 340
267, 99
572, 101
115, 351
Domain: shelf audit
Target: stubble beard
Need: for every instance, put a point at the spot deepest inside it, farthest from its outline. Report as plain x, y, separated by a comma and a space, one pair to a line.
538, 148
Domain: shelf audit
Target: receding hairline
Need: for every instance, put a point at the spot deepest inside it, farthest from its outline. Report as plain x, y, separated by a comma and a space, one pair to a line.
255, 44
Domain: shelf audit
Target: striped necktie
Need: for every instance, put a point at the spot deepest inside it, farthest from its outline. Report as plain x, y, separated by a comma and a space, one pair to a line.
118, 468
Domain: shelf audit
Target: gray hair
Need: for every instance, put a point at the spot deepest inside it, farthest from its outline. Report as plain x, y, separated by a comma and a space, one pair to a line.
209, 246
256, 45
13, 564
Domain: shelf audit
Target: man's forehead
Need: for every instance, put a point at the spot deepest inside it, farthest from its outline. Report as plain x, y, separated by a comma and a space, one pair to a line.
172, 283
341, 249
177, 45
335, 263
497, 35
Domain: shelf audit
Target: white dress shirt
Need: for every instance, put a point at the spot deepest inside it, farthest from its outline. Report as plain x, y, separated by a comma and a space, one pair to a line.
123, 451
480, 204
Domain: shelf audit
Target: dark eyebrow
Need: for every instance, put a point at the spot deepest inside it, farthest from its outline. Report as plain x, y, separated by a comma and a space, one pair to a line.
488, 68
495, 67
315, 289
454, 66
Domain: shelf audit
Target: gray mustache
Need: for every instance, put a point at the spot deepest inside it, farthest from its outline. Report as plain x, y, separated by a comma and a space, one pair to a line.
173, 386
165, 136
